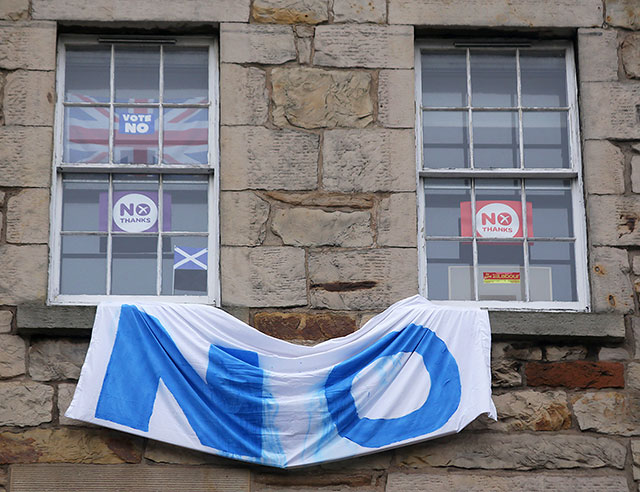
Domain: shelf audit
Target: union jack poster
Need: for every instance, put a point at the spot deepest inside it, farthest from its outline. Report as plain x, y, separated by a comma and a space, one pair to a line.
136, 136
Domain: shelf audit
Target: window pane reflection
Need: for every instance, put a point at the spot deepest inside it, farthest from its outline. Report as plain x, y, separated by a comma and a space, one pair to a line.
494, 79
87, 73
495, 139
555, 262
83, 265
137, 74
186, 77
546, 142
450, 270
445, 139
133, 266
444, 79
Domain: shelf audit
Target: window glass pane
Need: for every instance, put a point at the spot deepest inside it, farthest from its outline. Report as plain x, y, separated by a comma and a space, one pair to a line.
546, 141
445, 139
501, 271
135, 136
186, 75
86, 134
133, 267
444, 79
87, 73
552, 263
184, 265
450, 270
186, 138
499, 209
83, 268
494, 79
495, 139
135, 204
445, 202
84, 199
137, 74
543, 78
187, 196
551, 206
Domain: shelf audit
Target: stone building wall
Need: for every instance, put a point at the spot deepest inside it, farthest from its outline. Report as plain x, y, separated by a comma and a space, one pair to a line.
318, 233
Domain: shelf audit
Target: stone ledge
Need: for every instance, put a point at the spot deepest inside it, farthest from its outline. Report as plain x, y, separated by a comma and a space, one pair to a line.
557, 326
504, 324
63, 319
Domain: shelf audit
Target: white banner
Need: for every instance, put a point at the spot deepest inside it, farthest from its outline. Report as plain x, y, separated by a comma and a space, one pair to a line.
197, 377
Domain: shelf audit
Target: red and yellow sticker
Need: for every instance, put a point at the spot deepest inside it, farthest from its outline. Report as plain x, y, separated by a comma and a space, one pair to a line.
501, 277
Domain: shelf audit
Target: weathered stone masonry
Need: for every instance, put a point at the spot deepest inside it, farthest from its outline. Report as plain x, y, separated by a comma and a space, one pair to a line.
318, 233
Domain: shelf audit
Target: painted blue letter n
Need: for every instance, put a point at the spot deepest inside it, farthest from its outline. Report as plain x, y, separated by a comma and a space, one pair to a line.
225, 412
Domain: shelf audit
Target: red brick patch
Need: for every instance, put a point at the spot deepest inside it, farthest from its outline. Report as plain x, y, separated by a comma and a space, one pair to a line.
576, 374
304, 326
279, 325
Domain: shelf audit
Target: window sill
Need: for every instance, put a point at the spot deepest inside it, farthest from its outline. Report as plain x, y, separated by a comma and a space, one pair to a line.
78, 320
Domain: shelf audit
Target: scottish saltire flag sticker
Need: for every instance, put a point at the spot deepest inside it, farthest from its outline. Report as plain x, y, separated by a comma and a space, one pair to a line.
189, 258
197, 377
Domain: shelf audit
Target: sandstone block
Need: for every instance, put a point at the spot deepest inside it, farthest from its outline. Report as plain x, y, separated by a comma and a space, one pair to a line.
65, 395
524, 13
323, 199
368, 46
258, 158
608, 413
615, 353
615, 220
556, 354
290, 11
360, 11
369, 160
532, 411
304, 46
598, 54
315, 227
633, 376
29, 97
576, 374
396, 104
365, 279
6, 318
243, 218
397, 220
244, 99
505, 373
22, 162
142, 10
313, 98
265, 276
515, 452
35, 317
540, 482
635, 327
29, 45
623, 13
54, 359
14, 10
23, 273
250, 43
517, 351
86, 478
12, 356
285, 326
69, 445
308, 481
304, 327
630, 53
603, 168
28, 216
611, 288
608, 110
24, 403
635, 174
160, 452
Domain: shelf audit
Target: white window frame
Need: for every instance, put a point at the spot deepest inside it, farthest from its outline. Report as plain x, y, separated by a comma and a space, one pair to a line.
574, 173
212, 169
